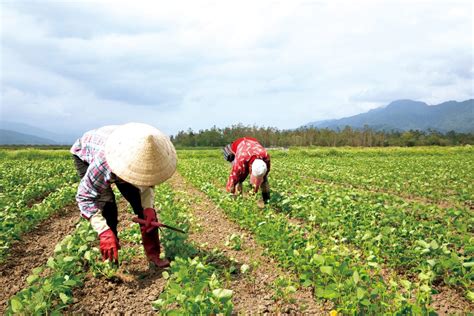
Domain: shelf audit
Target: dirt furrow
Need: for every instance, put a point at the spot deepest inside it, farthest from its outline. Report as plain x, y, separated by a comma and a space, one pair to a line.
131, 293
253, 292
33, 250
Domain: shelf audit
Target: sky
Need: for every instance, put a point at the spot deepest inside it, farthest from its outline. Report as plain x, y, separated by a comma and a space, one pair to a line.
70, 66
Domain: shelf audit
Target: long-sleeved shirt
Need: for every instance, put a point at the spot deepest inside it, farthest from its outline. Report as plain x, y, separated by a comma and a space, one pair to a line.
98, 177
246, 150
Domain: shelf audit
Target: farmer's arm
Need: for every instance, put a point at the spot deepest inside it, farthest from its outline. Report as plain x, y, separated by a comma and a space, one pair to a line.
147, 196
236, 175
95, 181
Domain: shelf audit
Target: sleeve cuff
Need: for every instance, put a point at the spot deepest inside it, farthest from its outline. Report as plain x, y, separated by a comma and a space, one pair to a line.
147, 197
98, 223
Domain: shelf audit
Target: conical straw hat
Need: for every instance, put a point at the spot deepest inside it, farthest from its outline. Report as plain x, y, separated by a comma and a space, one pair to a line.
140, 154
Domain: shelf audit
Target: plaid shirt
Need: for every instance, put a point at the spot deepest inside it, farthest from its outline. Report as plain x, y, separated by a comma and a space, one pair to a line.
90, 148
246, 151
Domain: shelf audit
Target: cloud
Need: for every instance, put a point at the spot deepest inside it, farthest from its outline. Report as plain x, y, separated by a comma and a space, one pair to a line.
76, 65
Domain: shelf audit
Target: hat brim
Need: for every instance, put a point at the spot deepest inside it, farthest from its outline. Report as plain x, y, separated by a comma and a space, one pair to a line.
140, 154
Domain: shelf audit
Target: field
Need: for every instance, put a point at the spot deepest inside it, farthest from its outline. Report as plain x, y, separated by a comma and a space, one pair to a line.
347, 231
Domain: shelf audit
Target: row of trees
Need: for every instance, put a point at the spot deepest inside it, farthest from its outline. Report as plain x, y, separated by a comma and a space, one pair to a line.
273, 137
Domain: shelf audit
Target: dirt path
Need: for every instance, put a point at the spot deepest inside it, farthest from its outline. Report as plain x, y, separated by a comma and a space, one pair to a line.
253, 291
33, 250
131, 294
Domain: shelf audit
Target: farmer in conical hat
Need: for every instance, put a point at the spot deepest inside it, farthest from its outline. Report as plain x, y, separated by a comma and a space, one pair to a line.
248, 156
135, 157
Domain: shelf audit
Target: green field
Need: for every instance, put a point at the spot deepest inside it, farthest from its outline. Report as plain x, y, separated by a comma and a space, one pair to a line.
367, 231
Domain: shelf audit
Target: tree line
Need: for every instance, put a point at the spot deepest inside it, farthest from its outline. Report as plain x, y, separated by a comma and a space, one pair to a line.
309, 136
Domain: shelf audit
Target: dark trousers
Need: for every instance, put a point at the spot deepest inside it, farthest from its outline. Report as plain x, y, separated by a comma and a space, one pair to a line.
106, 200
265, 187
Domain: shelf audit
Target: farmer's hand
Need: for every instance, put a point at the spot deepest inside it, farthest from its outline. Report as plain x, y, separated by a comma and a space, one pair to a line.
149, 216
238, 188
109, 246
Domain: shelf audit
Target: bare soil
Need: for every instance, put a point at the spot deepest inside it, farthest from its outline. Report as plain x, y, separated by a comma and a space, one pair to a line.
253, 292
450, 301
38, 199
33, 250
132, 293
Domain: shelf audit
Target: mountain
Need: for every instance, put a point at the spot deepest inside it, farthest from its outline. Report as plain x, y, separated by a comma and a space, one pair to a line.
8, 137
409, 114
56, 138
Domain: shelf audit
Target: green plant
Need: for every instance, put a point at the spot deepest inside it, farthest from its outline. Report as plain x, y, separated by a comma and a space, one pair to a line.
234, 241
284, 288
193, 289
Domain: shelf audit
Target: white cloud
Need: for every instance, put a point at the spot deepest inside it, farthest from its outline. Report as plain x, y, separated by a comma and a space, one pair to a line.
180, 64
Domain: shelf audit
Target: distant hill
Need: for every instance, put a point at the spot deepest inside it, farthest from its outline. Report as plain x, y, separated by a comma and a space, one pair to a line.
8, 137
409, 114
55, 138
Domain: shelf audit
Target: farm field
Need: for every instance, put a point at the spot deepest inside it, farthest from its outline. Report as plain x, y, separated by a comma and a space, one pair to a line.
347, 231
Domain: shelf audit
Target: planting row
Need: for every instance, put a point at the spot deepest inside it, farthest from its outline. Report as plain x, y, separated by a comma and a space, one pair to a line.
440, 175
193, 285
405, 235
443, 175
18, 219
22, 181
342, 274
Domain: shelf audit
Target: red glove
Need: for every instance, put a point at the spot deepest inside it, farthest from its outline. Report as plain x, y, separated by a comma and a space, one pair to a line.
109, 246
149, 215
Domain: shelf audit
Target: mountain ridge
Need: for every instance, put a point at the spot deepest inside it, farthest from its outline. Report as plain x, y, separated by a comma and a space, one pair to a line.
407, 114
34, 131
8, 137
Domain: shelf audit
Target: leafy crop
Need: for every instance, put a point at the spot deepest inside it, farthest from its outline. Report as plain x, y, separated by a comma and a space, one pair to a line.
234, 242
33, 186
51, 293
317, 250
193, 286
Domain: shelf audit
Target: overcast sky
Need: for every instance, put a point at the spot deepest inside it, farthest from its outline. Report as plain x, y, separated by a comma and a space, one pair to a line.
76, 65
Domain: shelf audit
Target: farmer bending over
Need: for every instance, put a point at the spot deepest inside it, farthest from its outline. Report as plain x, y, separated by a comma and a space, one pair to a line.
248, 156
135, 157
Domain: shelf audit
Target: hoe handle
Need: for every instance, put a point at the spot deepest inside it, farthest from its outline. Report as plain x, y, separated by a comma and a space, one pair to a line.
156, 224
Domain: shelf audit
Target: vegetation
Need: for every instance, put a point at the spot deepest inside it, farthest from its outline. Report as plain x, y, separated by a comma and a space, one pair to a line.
273, 137
368, 252
33, 186
372, 230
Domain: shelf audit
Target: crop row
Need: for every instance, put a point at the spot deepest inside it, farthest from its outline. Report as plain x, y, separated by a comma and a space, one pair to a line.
22, 181
50, 287
193, 284
18, 220
440, 178
192, 287
338, 273
400, 234
433, 173
405, 235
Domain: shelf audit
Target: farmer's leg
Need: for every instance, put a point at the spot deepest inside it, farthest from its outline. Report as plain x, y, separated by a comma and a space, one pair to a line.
151, 239
265, 190
132, 194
